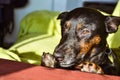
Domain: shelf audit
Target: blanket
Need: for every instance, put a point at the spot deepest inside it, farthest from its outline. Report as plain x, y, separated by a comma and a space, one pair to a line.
39, 32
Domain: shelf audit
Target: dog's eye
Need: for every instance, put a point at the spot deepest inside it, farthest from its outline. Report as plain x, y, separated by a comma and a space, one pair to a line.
85, 32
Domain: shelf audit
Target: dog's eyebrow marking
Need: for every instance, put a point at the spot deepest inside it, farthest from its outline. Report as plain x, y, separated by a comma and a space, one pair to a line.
68, 24
79, 26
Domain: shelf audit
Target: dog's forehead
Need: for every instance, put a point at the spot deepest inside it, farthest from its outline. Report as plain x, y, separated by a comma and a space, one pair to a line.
84, 19
85, 14
81, 23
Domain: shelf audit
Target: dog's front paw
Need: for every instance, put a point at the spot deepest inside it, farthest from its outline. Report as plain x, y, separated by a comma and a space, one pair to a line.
90, 67
48, 60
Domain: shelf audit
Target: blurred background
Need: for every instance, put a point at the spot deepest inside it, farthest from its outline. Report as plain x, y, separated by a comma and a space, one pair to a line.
13, 11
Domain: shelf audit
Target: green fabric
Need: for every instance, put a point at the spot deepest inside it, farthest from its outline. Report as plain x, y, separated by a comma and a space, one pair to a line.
6, 54
41, 22
39, 32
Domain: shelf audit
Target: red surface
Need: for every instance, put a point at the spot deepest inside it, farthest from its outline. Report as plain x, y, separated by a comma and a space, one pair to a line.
11, 70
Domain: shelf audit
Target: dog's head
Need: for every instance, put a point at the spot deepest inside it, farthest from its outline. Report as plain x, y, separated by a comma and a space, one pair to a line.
84, 33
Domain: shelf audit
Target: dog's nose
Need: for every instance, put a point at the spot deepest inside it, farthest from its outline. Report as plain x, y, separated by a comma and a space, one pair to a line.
58, 56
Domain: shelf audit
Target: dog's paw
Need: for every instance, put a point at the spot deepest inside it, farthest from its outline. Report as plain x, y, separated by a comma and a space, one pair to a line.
48, 60
90, 67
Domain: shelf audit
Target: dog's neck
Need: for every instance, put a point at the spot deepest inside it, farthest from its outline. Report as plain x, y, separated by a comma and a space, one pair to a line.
100, 55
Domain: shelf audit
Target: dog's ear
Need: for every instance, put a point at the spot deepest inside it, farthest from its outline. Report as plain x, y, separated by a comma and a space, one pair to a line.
62, 15
112, 23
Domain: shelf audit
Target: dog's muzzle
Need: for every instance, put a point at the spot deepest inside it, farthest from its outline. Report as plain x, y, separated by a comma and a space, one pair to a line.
66, 53
65, 61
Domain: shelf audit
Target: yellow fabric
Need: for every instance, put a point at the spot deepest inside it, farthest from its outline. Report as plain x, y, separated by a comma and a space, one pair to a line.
41, 22
6, 54
39, 32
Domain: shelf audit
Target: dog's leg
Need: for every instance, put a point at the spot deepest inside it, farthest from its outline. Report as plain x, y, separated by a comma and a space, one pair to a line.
48, 60
89, 67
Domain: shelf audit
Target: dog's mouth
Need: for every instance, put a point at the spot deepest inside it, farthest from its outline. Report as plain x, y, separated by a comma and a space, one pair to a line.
66, 63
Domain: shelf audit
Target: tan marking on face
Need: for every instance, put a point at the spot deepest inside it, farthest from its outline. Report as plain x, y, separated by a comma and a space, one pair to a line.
86, 46
79, 26
93, 51
96, 39
68, 24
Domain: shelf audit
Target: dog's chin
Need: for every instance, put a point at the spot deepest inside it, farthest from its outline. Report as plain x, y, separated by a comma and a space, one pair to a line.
64, 65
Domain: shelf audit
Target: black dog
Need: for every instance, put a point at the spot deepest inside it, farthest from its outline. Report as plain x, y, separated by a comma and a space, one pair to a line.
83, 42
